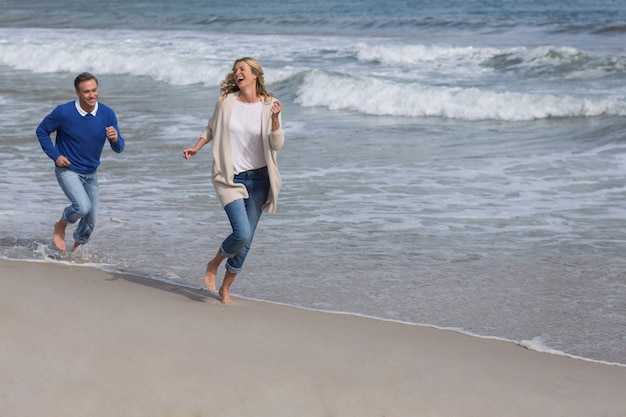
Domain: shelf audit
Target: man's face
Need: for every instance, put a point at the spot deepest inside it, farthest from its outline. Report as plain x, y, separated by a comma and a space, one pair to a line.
87, 95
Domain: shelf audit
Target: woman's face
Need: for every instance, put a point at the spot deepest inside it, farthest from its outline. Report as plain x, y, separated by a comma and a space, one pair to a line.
244, 77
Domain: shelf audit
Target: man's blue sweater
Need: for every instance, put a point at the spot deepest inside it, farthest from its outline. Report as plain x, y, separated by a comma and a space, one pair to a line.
79, 138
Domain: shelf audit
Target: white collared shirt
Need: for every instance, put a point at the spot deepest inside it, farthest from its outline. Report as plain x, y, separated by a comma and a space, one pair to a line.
83, 112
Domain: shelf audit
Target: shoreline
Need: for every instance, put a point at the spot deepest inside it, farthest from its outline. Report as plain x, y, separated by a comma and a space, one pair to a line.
526, 344
82, 341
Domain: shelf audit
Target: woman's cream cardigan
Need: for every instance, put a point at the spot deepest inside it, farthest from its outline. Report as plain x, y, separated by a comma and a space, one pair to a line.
218, 131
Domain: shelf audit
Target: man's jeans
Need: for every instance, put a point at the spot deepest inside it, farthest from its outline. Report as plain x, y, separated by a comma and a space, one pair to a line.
244, 215
82, 191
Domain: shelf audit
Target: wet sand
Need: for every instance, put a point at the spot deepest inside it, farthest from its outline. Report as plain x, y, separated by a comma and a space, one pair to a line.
77, 341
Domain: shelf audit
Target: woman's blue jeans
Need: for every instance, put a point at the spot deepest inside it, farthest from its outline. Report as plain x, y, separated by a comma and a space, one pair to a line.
244, 215
82, 191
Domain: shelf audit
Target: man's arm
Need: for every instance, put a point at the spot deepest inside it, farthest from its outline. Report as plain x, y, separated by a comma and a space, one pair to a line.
48, 125
114, 136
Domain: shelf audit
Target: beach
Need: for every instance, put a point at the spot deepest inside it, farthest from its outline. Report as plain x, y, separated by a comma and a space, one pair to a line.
458, 165
79, 341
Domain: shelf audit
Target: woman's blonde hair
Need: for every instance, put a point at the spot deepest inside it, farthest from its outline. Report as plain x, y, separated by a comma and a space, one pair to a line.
228, 84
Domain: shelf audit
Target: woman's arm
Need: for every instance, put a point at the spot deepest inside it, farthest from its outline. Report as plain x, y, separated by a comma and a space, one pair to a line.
189, 152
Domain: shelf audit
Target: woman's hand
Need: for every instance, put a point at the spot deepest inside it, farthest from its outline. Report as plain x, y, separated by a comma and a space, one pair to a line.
189, 152
276, 109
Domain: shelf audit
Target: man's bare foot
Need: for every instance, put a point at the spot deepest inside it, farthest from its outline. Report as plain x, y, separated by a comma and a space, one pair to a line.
76, 245
58, 238
209, 276
225, 296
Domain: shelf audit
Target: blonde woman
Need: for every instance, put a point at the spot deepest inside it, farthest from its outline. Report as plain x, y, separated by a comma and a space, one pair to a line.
245, 131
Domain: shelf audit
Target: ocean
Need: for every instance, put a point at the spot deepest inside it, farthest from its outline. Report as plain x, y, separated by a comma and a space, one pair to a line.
457, 164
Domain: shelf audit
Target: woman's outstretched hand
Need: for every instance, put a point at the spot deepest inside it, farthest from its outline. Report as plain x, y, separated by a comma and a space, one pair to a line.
189, 152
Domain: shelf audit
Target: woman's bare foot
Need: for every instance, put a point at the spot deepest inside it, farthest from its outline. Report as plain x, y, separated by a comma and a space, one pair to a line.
225, 296
58, 237
209, 275
211, 271
76, 245
229, 277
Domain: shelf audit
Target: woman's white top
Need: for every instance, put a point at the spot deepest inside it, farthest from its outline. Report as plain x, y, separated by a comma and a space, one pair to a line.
245, 136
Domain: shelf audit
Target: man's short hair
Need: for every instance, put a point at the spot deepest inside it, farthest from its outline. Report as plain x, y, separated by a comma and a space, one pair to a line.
84, 76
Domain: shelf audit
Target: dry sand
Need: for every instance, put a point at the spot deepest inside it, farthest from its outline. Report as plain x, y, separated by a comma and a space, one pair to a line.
77, 341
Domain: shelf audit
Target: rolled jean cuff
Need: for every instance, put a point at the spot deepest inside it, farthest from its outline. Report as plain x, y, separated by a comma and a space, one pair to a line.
232, 269
78, 239
226, 254
228, 266
64, 217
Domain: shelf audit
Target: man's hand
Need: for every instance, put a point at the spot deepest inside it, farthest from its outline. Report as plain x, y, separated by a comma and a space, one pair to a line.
62, 162
111, 134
